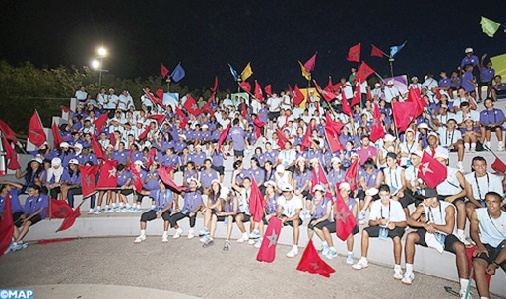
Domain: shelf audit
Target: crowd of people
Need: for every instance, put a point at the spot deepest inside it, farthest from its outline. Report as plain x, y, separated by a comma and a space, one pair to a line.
270, 136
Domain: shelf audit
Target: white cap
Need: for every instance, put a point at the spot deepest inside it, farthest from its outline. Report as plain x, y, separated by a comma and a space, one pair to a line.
469, 50
444, 106
215, 181
286, 188
138, 162
371, 191
390, 82
78, 145
198, 146
423, 126
280, 168
182, 136
74, 161
410, 130
194, 179
419, 153
64, 144
272, 183
377, 85
314, 160
140, 121
389, 137
205, 127
414, 78
39, 160
115, 119
433, 134
335, 159
344, 185
318, 187
56, 162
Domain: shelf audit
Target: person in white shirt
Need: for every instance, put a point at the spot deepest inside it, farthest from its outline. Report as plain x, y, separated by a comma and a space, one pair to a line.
409, 146
391, 92
81, 94
286, 157
443, 116
451, 138
435, 230
274, 104
125, 101
466, 112
463, 96
377, 93
387, 219
430, 84
286, 101
415, 83
289, 207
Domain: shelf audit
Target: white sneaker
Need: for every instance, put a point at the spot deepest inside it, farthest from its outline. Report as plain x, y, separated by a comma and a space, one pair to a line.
191, 234
362, 264
204, 238
243, 238
488, 144
292, 253
178, 233
464, 240
140, 239
408, 278
91, 211
398, 274
258, 243
500, 147
165, 239
463, 294
473, 147
251, 242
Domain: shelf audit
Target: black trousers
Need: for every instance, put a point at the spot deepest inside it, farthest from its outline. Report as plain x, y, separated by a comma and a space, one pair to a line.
173, 219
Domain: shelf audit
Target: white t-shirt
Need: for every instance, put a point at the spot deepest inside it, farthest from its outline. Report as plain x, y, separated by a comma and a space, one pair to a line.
487, 183
273, 104
392, 212
290, 206
447, 138
286, 157
451, 185
390, 93
492, 231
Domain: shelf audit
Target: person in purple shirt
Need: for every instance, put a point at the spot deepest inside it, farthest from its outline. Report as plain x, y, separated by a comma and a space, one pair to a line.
198, 157
270, 154
491, 119
215, 135
180, 145
259, 156
336, 174
121, 154
34, 211
321, 212
468, 82
487, 74
369, 177
170, 159
33, 174
256, 172
87, 155
469, 59
125, 188
192, 204
72, 182
184, 159
189, 172
218, 161
302, 183
207, 175
263, 113
237, 135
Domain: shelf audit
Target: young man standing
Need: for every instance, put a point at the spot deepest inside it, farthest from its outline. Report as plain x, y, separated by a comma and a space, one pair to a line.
289, 207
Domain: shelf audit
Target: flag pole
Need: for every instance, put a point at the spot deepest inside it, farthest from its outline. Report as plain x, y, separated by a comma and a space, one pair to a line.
168, 83
391, 59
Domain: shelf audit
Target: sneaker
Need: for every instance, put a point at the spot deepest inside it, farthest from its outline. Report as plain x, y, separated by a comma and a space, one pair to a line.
208, 243
464, 240
408, 278
10, 248
463, 294
292, 253
308, 214
203, 231
488, 144
254, 234
361, 215
130, 209
91, 211
325, 249
349, 259
251, 242
139, 239
258, 243
97, 211
500, 148
123, 210
331, 254
204, 238
165, 239
116, 209
362, 264
398, 274
107, 210
361, 222
227, 246
20, 246
178, 233
243, 238
191, 235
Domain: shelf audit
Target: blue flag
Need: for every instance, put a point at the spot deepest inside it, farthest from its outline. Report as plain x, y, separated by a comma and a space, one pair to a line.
233, 72
178, 73
395, 49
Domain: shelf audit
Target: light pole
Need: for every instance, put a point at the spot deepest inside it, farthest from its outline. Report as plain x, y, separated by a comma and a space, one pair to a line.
98, 64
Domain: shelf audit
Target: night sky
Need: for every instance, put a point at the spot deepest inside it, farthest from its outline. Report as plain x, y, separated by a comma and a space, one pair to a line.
273, 35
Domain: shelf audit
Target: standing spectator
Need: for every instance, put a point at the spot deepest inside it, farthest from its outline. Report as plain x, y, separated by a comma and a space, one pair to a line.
81, 94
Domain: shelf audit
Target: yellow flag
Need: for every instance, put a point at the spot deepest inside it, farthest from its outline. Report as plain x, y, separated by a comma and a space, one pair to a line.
305, 73
247, 72
499, 64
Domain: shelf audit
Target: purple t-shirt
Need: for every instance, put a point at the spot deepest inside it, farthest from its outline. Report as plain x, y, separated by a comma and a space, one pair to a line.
320, 208
198, 159
120, 156
237, 135
465, 84
258, 174
301, 178
192, 200
123, 178
271, 156
472, 61
336, 176
152, 183
272, 204
206, 177
493, 116
34, 203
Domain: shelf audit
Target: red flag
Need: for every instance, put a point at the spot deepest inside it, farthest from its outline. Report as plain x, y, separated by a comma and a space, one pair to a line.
8, 132
164, 71
108, 178
11, 154
97, 148
59, 208
346, 108
267, 252
298, 97
376, 52
207, 108
243, 110
377, 130
158, 117
56, 135
312, 263
66, 109
36, 133
163, 172
256, 202
159, 94
191, 106
213, 89
268, 90
310, 64
245, 86
45, 242
369, 96
152, 154
6, 226
258, 92
281, 139
223, 136
69, 221
319, 177
432, 171
144, 134
99, 122
88, 174
332, 125
336, 87
415, 96
404, 114
498, 166
182, 117
136, 177
354, 53
328, 96
258, 124
356, 96
306, 141
330, 85
438, 94
345, 220
112, 139
334, 142
352, 174
364, 71
155, 100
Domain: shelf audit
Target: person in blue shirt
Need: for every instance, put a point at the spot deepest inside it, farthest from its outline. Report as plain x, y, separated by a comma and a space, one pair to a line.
487, 74
72, 182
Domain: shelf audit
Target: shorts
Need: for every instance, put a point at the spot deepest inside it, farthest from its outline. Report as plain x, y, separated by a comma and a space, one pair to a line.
126, 191
151, 215
33, 220
291, 222
319, 225
331, 227
219, 169
442, 198
373, 231
245, 218
492, 255
449, 240
408, 199
306, 194
492, 129
238, 153
361, 196
274, 115
16, 216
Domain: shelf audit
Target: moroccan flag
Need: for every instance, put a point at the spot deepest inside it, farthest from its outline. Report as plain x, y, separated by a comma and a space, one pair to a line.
364, 71
498, 165
59, 208
312, 263
304, 72
346, 108
191, 106
56, 135
310, 64
97, 148
158, 117
245, 86
112, 139
6, 226
66, 109
159, 94
488, 26
268, 90
332, 125
377, 130
345, 220
431, 171
328, 96
354, 53
213, 89
281, 139
136, 178
404, 114
70, 219
334, 142
88, 174
352, 174
8, 132
163, 172
356, 96
182, 117
306, 141
376, 52
320, 177
258, 125
36, 133
267, 252
256, 202
99, 123
298, 97
164, 71
144, 134
108, 178
11, 154
415, 96
247, 72
258, 92
438, 94
207, 108
223, 136
155, 100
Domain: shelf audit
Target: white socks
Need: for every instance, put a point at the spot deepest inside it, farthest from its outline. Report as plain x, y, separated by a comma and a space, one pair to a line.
397, 267
143, 232
460, 232
463, 284
409, 268
165, 233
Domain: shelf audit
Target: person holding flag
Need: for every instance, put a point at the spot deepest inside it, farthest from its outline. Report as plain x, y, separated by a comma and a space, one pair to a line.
289, 208
192, 204
12, 191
